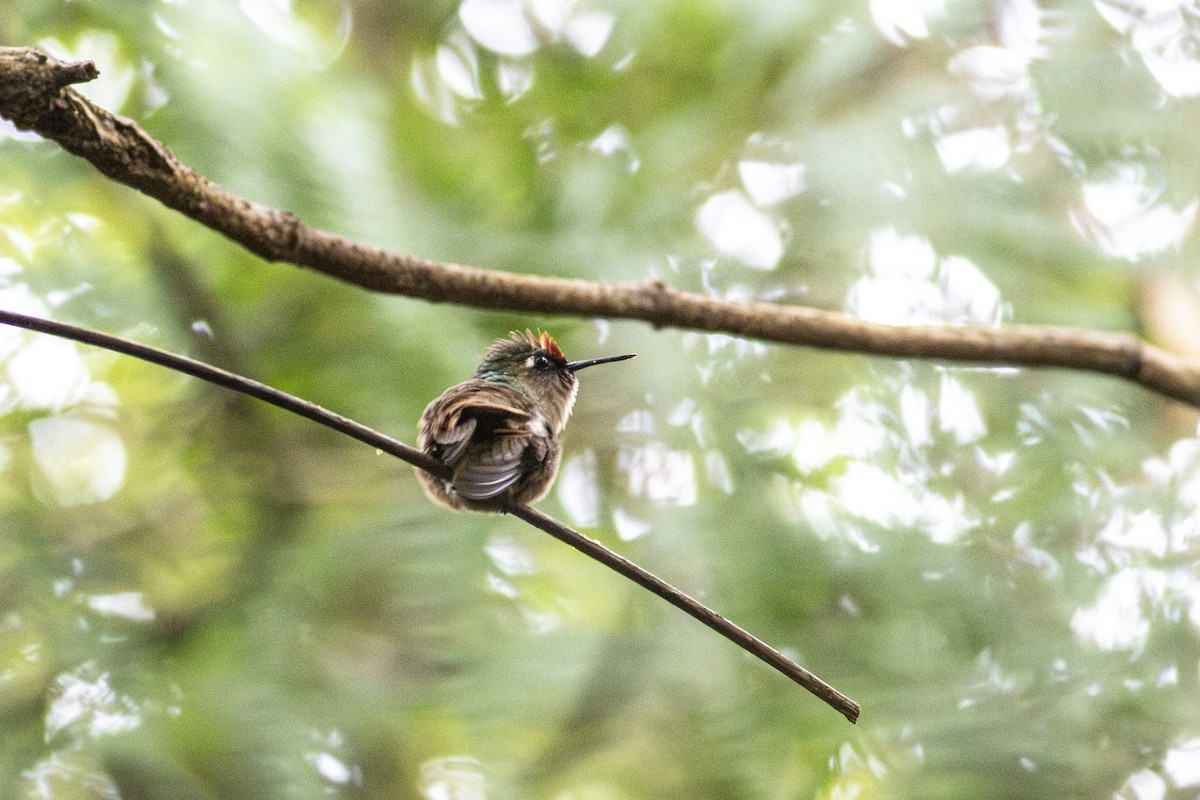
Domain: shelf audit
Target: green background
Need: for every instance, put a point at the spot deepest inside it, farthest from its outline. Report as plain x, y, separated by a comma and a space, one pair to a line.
203, 597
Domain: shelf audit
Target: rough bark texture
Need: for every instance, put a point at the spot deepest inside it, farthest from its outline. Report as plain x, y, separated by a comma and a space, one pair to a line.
35, 94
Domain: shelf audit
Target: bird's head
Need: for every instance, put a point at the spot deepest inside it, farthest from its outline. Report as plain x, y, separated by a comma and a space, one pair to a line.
535, 365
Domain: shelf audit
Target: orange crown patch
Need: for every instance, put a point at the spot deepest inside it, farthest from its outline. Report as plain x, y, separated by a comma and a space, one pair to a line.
540, 340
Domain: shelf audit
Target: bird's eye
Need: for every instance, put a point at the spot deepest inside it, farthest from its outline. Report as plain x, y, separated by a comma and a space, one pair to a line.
541, 362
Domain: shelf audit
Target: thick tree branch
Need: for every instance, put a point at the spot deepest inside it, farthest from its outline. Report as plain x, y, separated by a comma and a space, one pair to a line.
35, 95
589, 547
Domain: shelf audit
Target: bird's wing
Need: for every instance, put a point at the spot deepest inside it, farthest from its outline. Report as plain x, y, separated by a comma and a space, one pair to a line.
460, 414
451, 441
493, 469
503, 437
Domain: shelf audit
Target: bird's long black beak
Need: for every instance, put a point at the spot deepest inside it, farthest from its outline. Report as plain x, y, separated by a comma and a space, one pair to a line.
575, 366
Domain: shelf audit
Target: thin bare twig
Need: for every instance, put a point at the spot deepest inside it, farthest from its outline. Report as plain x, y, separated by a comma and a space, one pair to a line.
694, 608
35, 95
387, 444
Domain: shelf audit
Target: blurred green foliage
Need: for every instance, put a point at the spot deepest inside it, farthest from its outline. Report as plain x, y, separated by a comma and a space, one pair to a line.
1000, 566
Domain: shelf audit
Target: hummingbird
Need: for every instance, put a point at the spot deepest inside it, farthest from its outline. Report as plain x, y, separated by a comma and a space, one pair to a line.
499, 430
